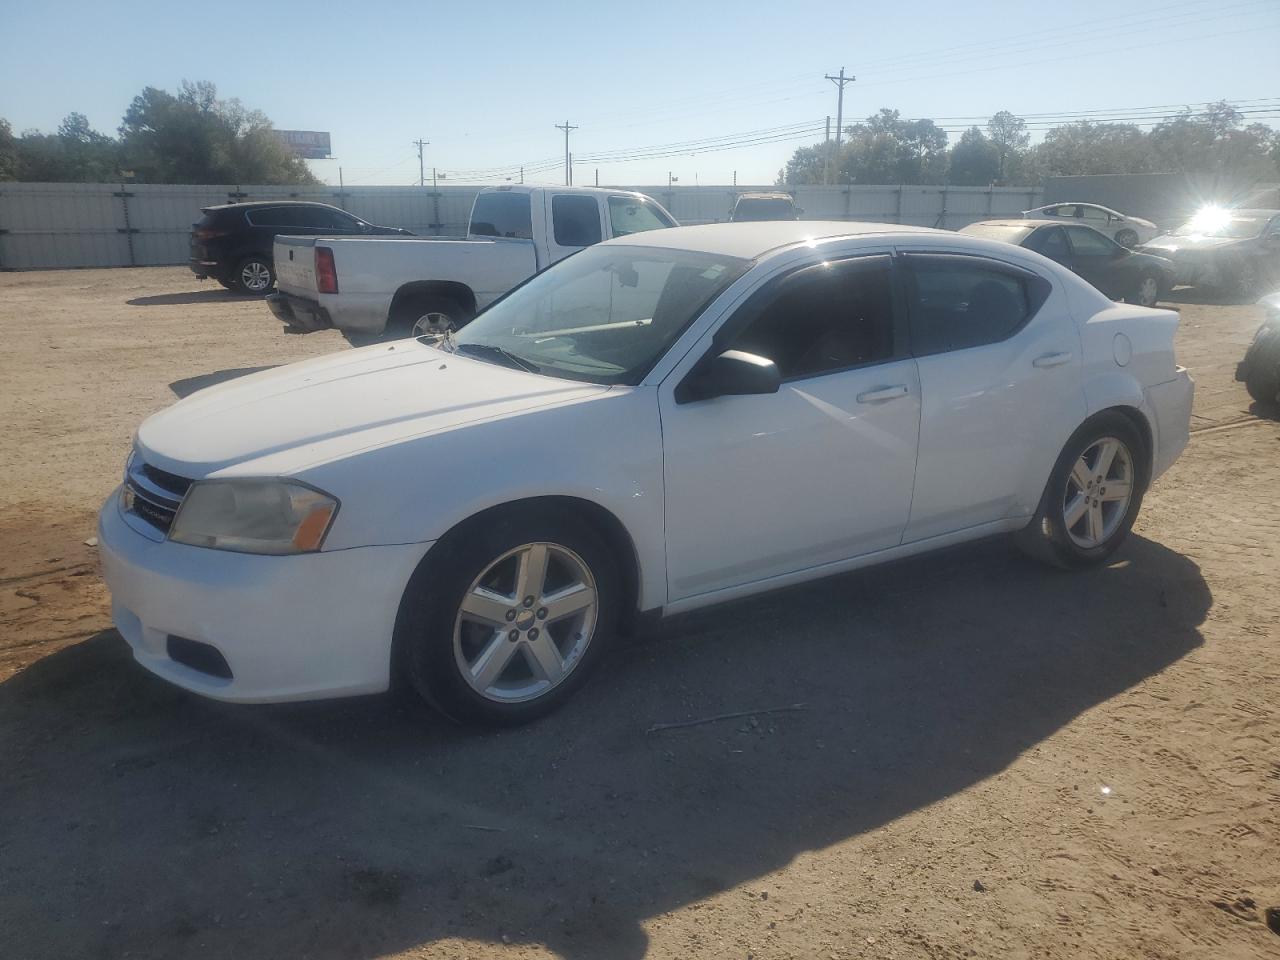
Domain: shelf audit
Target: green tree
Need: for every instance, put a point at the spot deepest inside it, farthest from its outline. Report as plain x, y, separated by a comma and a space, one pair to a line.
8, 152
1084, 148
975, 160
194, 137
1009, 135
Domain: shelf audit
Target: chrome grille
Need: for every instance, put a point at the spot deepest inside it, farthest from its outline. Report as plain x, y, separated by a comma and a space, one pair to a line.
153, 495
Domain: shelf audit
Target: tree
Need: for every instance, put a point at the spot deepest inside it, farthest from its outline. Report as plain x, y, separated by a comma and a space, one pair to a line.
975, 160
1085, 148
8, 152
1009, 135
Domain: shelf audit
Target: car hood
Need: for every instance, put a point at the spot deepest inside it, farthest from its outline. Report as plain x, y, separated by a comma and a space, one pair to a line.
1193, 242
281, 421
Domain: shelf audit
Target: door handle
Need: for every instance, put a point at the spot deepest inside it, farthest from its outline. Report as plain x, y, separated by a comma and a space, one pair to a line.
883, 393
1051, 360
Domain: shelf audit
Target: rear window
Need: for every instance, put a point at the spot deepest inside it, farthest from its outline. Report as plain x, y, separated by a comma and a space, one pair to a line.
960, 302
992, 231
502, 214
754, 210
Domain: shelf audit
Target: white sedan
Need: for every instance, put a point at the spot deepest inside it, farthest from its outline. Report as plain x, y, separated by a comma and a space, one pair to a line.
653, 425
1125, 230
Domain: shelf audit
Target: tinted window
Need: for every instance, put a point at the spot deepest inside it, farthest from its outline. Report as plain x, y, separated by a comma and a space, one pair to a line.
823, 318
1089, 243
961, 302
575, 220
502, 214
330, 219
628, 215
277, 217
754, 209
1052, 243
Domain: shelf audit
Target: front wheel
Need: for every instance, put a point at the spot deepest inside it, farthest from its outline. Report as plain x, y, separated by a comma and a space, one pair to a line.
1147, 292
1262, 366
507, 619
1127, 238
1092, 497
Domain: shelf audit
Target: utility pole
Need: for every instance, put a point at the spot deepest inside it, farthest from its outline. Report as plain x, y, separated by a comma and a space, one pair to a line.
826, 171
568, 169
522, 174
840, 81
422, 174
671, 179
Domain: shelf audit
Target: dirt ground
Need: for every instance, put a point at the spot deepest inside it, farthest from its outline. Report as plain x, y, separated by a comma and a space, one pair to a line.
992, 759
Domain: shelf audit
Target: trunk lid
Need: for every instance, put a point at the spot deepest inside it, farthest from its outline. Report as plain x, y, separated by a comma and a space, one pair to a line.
295, 263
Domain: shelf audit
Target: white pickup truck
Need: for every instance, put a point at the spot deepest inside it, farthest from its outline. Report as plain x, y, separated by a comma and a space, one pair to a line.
406, 286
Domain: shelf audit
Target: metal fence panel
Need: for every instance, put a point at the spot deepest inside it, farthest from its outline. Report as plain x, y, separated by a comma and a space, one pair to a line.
109, 225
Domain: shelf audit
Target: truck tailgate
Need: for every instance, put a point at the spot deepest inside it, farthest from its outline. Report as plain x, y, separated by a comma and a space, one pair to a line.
295, 264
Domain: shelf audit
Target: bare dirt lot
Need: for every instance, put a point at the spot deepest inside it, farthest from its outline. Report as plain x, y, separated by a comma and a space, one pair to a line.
992, 760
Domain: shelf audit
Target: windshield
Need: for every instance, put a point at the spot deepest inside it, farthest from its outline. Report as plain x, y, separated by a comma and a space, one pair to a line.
1235, 228
993, 231
604, 315
751, 210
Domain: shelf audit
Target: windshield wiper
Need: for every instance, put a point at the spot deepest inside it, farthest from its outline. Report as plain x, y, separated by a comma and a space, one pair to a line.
505, 356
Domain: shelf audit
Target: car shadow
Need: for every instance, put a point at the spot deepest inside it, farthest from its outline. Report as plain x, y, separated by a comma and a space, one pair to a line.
1202, 296
188, 386
194, 296
169, 825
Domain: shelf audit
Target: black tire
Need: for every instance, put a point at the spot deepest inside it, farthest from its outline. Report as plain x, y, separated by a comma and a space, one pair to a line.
1262, 369
409, 310
1137, 295
430, 609
1047, 537
250, 266
1127, 238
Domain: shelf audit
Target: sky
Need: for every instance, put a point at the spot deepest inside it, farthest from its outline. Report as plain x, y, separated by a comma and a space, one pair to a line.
702, 92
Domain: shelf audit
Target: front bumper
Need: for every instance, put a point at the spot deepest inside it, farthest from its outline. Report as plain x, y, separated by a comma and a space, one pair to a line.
289, 628
298, 314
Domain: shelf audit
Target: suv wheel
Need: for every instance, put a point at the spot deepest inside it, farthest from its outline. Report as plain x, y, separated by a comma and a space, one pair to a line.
254, 276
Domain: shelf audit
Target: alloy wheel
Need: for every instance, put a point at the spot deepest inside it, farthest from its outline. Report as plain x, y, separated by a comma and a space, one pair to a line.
1098, 492
255, 276
431, 324
524, 624
1148, 291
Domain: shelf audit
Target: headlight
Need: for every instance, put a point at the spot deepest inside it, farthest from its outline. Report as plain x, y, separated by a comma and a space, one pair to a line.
254, 516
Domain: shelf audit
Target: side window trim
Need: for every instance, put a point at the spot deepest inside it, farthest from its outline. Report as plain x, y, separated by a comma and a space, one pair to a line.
1037, 290
750, 309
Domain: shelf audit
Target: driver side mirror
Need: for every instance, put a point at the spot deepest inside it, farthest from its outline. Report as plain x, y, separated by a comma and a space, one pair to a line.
732, 373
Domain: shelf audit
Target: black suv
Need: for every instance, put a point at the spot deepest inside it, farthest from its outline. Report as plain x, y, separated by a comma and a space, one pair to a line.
232, 243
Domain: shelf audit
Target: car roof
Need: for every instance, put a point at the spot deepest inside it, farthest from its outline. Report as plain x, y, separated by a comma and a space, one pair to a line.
531, 188
752, 240
253, 204
1021, 222
766, 196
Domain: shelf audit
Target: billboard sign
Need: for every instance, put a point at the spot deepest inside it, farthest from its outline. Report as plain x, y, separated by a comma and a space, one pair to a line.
308, 144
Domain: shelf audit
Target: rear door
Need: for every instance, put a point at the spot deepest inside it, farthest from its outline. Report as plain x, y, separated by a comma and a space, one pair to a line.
999, 359
576, 220
1050, 242
1098, 259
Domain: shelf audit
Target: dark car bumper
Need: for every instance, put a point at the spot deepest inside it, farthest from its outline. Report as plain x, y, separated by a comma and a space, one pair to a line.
206, 268
298, 314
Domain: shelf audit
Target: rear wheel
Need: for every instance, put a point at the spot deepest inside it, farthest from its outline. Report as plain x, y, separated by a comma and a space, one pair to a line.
254, 276
1127, 238
504, 621
1092, 497
1244, 281
425, 315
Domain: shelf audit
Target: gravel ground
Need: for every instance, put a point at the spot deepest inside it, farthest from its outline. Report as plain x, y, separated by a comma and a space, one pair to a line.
992, 759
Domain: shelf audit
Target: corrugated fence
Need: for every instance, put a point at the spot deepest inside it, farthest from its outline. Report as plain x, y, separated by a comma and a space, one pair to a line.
51, 225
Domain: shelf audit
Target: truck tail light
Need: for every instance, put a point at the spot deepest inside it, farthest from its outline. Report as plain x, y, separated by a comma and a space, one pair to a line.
326, 272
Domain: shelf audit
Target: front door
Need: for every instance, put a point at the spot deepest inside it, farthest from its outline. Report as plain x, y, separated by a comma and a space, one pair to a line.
762, 486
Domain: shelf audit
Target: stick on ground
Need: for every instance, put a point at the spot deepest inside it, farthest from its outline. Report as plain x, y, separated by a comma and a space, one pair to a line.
723, 716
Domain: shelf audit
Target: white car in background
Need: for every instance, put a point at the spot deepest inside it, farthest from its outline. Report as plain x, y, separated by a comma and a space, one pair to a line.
655, 424
1123, 229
